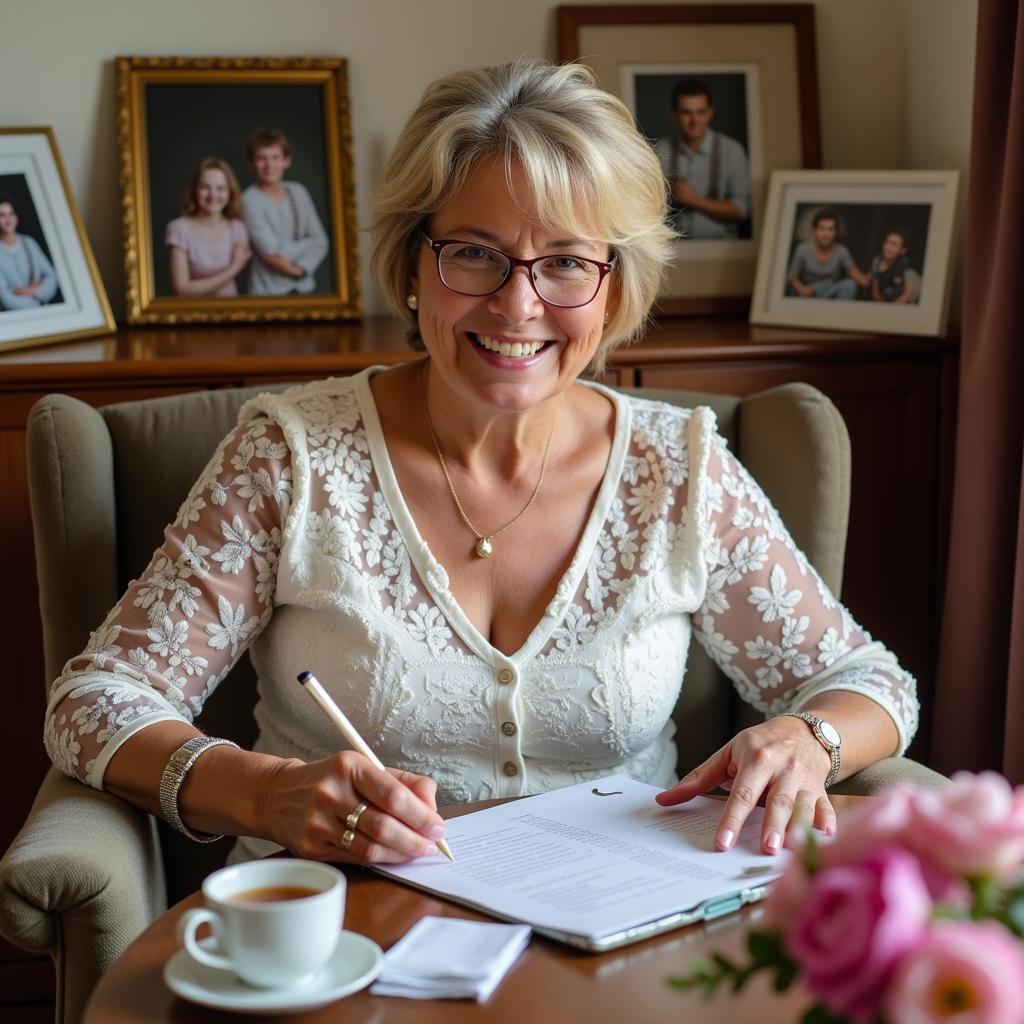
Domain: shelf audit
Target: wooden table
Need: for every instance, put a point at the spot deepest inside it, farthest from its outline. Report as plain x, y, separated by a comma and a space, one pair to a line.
550, 984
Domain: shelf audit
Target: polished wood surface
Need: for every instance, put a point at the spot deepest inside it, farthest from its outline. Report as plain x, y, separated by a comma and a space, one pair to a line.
549, 983
135, 356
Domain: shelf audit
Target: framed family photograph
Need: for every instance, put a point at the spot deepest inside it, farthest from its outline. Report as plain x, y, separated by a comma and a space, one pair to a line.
857, 251
725, 94
50, 289
238, 197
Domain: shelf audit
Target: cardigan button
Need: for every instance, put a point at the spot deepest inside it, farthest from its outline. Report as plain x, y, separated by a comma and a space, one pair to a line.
510, 769
506, 675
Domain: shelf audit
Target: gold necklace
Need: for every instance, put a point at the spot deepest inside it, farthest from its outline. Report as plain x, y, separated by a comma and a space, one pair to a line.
484, 545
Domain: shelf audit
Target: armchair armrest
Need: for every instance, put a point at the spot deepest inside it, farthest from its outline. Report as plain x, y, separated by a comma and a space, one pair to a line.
84, 873
886, 771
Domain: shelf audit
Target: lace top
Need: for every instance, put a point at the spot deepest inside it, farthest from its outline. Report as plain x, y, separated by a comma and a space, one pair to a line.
297, 542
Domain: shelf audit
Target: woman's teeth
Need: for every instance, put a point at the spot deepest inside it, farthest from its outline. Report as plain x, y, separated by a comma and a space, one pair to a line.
516, 349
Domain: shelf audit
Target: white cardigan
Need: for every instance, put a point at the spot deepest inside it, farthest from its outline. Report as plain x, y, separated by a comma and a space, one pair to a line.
297, 541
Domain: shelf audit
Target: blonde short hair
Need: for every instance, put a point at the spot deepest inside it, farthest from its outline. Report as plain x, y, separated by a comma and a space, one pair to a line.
589, 172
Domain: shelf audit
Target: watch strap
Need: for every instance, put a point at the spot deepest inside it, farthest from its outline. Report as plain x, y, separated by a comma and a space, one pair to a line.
833, 748
179, 764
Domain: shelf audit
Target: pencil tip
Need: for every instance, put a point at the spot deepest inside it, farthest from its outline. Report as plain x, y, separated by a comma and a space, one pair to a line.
304, 676
443, 847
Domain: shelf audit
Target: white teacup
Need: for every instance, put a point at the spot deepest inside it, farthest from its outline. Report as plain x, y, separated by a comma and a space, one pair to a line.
275, 922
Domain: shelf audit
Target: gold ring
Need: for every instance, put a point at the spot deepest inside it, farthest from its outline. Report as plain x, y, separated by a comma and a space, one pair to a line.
352, 821
347, 839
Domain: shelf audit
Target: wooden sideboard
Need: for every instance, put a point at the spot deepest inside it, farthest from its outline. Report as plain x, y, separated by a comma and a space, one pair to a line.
897, 395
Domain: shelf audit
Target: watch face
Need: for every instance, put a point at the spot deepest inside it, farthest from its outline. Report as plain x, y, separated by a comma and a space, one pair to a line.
829, 731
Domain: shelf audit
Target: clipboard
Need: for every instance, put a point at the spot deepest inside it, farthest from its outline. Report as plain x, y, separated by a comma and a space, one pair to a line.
635, 829
709, 910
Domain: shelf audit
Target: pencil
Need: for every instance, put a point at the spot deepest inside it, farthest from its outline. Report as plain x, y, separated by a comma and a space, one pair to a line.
338, 718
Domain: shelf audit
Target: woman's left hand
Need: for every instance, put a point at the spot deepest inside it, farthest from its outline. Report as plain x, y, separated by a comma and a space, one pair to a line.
779, 760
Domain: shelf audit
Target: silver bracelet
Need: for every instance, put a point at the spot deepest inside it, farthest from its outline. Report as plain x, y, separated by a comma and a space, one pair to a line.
179, 764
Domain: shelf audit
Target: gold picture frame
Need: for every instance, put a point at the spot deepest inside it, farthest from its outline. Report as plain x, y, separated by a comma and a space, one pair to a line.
758, 65
50, 288
174, 114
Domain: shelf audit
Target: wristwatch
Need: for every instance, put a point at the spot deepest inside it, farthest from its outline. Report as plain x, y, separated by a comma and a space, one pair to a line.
826, 734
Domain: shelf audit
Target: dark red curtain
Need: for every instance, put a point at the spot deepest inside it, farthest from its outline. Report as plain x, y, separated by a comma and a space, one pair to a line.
979, 700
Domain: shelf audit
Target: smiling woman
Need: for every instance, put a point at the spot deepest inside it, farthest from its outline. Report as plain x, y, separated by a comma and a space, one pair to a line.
574, 145
495, 567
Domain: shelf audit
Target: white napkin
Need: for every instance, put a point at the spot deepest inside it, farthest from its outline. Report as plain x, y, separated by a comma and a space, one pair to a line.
449, 958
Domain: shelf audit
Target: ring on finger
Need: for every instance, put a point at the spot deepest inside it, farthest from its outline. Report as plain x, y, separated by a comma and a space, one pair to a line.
348, 838
352, 821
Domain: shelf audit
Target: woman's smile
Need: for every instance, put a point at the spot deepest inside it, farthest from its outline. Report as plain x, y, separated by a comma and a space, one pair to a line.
505, 350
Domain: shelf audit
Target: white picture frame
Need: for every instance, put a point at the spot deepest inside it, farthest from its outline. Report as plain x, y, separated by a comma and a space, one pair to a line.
870, 209
51, 242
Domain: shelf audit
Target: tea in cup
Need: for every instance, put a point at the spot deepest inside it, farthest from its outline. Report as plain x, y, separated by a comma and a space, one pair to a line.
275, 922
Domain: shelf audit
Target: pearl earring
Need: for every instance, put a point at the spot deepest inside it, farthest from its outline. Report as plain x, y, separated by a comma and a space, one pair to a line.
412, 302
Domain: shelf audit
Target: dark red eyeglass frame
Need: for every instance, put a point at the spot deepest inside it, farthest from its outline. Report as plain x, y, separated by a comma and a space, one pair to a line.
436, 245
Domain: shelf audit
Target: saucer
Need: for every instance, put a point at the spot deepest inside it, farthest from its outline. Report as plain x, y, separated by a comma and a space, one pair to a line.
354, 964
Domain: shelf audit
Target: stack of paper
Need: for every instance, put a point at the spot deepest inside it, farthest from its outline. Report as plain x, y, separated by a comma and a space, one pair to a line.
598, 864
448, 958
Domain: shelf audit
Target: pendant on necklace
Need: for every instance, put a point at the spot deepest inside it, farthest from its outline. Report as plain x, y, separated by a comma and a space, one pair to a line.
483, 547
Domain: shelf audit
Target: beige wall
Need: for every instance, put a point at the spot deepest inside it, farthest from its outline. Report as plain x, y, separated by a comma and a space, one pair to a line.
895, 77
938, 75
938, 72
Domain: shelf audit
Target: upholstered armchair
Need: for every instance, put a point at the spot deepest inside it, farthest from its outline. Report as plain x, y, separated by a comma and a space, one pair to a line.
88, 873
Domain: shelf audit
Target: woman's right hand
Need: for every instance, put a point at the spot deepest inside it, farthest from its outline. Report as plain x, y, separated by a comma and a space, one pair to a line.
304, 806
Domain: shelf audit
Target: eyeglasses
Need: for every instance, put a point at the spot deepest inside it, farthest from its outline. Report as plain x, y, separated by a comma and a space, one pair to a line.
559, 280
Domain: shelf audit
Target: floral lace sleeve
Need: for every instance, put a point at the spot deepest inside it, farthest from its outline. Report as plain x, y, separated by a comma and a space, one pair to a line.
768, 619
179, 629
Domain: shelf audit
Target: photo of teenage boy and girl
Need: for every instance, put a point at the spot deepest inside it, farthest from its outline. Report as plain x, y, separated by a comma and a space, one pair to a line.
265, 240
858, 252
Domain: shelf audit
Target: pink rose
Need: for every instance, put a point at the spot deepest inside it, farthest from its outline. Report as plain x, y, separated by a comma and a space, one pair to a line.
961, 971
972, 828
856, 922
786, 895
870, 825
883, 820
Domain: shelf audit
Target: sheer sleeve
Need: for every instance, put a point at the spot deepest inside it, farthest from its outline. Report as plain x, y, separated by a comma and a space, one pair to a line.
769, 621
178, 630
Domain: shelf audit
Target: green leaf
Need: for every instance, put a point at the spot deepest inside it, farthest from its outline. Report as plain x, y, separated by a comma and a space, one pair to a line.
684, 983
765, 947
784, 976
1014, 917
988, 895
707, 976
817, 1014
725, 965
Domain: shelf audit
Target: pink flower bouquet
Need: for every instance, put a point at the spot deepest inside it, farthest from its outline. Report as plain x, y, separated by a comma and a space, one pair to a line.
914, 914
